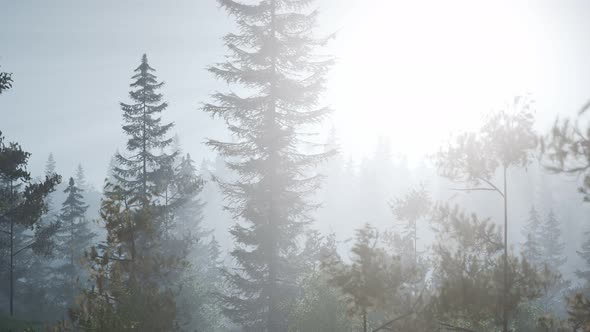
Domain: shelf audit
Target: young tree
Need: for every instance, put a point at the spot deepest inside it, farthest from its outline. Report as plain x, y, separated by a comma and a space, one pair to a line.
506, 140
22, 203
74, 237
369, 280
410, 209
136, 174
273, 58
128, 285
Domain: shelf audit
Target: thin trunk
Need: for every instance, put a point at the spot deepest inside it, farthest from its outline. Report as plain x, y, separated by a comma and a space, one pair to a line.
364, 320
143, 156
11, 255
272, 323
505, 292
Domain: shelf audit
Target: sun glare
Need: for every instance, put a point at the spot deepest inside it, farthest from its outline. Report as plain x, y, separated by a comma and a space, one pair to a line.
416, 81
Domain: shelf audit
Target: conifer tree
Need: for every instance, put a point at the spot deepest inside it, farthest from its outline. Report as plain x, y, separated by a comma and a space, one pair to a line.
505, 141
552, 243
5, 81
532, 246
273, 58
410, 209
22, 203
80, 179
74, 238
147, 135
585, 255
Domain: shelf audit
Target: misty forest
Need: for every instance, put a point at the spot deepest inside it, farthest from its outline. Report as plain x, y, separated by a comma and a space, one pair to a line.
294, 165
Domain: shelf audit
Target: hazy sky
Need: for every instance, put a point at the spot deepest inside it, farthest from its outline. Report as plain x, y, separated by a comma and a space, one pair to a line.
410, 70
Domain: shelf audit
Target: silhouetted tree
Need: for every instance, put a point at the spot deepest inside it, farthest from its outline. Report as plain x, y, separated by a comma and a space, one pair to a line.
506, 140
137, 173
5, 81
272, 57
22, 203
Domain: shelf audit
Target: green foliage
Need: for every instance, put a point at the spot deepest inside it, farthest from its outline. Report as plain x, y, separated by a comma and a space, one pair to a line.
469, 272
271, 60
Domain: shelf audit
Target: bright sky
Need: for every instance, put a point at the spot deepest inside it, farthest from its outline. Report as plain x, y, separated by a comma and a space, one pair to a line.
413, 71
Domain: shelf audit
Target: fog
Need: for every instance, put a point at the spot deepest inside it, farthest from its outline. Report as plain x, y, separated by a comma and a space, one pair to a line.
352, 170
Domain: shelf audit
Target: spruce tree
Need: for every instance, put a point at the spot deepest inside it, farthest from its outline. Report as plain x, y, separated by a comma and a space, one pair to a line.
74, 238
552, 243
272, 58
80, 179
136, 173
532, 246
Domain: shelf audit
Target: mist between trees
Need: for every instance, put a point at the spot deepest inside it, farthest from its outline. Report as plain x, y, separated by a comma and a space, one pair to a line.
283, 232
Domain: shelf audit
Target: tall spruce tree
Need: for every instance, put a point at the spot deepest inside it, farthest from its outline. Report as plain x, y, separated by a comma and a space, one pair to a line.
273, 59
136, 173
22, 203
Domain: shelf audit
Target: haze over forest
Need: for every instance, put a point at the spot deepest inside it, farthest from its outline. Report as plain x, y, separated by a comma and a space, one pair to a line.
294, 165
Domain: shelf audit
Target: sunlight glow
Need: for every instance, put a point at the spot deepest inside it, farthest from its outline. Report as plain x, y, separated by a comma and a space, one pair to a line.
416, 81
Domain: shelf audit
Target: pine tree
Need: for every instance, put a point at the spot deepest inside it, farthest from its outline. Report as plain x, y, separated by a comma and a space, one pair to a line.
74, 238
532, 246
136, 173
410, 209
22, 203
509, 140
272, 57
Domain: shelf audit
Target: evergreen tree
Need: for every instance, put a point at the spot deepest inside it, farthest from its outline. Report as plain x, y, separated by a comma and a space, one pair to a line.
505, 141
50, 165
80, 179
532, 246
369, 280
22, 203
272, 57
553, 246
136, 174
585, 255
128, 277
469, 269
410, 209
74, 238
5, 81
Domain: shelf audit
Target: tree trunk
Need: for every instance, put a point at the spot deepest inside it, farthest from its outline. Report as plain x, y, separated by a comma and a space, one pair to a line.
505, 292
11, 256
